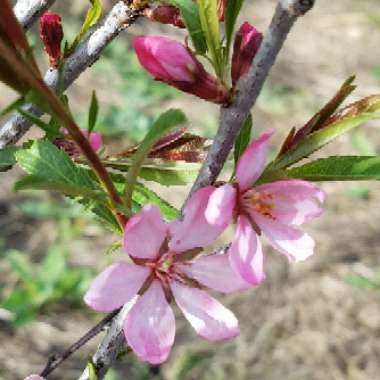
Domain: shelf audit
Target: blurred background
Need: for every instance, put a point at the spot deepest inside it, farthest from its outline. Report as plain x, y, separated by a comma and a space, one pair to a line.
318, 320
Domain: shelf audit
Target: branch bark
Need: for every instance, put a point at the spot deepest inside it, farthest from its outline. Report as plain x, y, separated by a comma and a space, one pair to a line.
231, 121
28, 11
119, 18
249, 87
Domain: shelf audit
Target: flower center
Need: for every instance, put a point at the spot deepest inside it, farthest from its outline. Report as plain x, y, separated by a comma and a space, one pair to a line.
261, 202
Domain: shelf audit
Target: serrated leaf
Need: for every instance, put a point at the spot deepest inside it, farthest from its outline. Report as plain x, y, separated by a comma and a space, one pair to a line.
339, 168
163, 125
143, 195
243, 139
320, 138
208, 13
50, 167
190, 14
93, 113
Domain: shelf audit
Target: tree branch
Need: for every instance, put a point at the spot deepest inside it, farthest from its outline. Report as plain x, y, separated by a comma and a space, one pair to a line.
249, 87
28, 11
56, 359
119, 18
231, 121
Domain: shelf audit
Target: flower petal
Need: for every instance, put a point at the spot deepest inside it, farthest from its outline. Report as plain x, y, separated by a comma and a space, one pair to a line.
221, 205
115, 286
209, 318
215, 272
150, 326
194, 231
293, 243
295, 201
145, 232
252, 162
34, 377
246, 255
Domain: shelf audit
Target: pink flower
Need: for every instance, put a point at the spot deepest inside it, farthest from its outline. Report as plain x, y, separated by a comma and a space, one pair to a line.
68, 145
274, 209
34, 377
51, 34
165, 268
246, 45
171, 62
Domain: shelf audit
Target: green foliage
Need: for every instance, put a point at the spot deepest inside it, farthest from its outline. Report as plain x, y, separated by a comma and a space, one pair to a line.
339, 168
50, 168
208, 12
364, 282
92, 17
40, 285
7, 157
243, 139
93, 112
363, 145
191, 15
232, 13
163, 125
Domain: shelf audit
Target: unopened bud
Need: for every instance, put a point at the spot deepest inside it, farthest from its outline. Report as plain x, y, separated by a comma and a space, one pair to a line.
165, 14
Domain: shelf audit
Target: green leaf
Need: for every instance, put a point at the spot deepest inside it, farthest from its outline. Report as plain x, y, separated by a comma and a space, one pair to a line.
243, 139
163, 125
92, 17
190, 14
208, 12
232, 13
339, 168
315, 135
320, 138
142, 195
53, 267
19, 102
7, 157
361, 282
91, 371
363, 145
51, 168
93, 112
35, 120
21, 265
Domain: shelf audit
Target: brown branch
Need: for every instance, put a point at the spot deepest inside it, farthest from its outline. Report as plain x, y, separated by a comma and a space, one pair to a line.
119, 18
56, 359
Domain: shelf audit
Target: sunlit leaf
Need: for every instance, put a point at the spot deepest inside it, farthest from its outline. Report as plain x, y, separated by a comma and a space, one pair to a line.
93, 112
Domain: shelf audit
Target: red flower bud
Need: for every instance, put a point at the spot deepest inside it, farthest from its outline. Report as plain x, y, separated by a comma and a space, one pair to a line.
171, 62
165, 14
51, 34
246, 45
222, 5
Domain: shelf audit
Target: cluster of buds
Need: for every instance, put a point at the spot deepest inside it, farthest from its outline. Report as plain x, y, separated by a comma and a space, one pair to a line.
51, 34
175, 64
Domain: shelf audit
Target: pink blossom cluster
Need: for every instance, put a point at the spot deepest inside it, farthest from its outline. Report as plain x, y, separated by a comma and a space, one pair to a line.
167, 263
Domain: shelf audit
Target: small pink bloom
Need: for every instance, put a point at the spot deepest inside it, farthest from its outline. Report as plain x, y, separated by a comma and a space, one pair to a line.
166, 267
51, 34
34, 377
173, 63
274, 209
246, 45
69, 146
165, 14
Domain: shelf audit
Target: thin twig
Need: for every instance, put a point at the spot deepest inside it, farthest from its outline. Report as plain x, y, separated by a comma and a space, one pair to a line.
56, 359
249, 87
231, 121
28, 11
119, 18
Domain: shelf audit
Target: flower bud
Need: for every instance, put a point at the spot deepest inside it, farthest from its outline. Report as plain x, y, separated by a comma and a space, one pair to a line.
165, 14
51, 34
173, 63
246, 45
70, 147
222, 5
